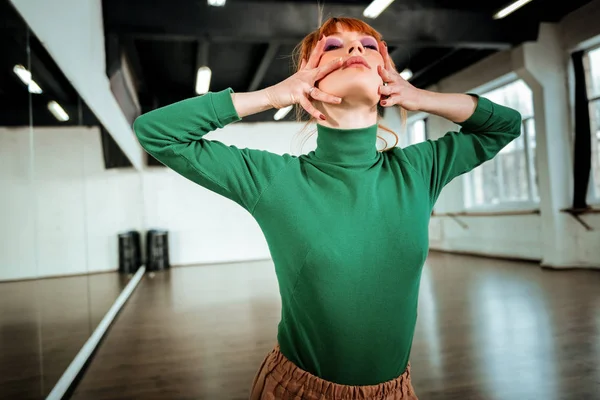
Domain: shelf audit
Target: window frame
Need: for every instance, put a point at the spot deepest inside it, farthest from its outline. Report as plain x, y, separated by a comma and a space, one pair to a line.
503, 205
412, 120
593, 194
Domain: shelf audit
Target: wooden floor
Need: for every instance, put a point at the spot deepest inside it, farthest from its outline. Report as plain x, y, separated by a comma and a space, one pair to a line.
44, 323
487, 329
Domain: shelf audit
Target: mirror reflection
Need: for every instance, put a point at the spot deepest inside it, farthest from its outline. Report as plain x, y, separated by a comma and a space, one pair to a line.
68, 194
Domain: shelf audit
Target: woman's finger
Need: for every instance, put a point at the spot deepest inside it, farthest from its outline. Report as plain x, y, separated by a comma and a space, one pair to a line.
390, 101
310, 108
385, 74
387, 90
318, 94
303, 64
315, 56
386, 57
328, 68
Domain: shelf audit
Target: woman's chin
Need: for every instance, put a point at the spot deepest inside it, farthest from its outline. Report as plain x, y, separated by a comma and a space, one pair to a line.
357, 90
356, 94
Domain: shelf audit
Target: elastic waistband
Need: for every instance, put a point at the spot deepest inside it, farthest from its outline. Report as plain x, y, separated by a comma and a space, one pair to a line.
294, 379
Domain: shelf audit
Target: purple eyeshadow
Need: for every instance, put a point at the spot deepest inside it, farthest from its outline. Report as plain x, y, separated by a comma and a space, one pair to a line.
332, 42
369, 41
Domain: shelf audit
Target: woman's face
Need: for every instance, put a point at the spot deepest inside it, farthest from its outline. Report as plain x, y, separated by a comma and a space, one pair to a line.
357, 80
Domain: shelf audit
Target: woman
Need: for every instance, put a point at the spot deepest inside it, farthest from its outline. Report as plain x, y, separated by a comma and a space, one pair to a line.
346, 224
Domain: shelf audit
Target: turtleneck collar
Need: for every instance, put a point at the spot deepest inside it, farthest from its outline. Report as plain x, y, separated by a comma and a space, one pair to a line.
346, 146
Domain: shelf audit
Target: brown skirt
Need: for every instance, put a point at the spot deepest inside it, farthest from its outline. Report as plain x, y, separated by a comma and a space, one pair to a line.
280, 379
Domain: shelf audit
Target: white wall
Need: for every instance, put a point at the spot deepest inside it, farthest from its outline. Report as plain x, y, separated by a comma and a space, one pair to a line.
17, 222
81, 207
553, 237
78, 206
72, 32
205, 227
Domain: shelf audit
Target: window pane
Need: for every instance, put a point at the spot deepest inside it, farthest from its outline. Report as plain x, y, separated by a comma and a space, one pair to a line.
516, 95
416, 132
468, 190
485, 184
595, 126
594, 73
514, 175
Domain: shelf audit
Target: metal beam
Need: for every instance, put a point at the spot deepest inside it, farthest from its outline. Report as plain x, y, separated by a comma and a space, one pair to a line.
132, 55
202, 53
453, 62
423, 71
289, 22
402, 55
264, 66
40, 71
112, 51
42, 75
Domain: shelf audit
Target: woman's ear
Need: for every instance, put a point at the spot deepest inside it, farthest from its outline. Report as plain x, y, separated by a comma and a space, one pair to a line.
303, 64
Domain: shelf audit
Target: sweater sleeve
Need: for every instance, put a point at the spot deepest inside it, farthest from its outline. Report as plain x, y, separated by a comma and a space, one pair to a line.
173, 135
487, 131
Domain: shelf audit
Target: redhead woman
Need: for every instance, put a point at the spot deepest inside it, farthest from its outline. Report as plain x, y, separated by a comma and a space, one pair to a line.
347, 223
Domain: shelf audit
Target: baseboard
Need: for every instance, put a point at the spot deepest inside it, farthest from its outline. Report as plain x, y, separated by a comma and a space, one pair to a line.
488, 256
74, 371
207, 264
570, 267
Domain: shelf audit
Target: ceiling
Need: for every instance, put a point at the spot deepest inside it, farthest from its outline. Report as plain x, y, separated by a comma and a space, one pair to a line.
18, 107
248, 44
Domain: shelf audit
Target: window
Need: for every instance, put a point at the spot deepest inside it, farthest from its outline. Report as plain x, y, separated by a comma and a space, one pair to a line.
509, 178
416, 131
592, 61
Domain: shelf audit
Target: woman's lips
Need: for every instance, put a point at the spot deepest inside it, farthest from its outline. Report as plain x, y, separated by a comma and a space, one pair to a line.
356, 61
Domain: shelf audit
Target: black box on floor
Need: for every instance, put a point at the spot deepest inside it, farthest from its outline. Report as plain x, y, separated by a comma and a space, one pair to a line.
157, 250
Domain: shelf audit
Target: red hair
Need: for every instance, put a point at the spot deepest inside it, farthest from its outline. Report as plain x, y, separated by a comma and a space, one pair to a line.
329, 27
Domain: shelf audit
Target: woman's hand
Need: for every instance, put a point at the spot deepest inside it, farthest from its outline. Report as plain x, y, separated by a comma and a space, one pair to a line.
397, 91
300, 87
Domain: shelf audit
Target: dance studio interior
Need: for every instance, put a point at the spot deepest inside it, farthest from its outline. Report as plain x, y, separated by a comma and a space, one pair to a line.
122, 279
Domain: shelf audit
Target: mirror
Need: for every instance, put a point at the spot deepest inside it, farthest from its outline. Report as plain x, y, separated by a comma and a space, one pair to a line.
19, 325
65, 203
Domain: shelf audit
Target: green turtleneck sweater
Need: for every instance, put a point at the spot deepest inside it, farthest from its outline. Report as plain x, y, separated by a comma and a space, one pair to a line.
346, 224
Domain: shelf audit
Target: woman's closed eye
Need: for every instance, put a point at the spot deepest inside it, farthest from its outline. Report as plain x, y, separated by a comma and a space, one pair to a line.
370, 43
333, 44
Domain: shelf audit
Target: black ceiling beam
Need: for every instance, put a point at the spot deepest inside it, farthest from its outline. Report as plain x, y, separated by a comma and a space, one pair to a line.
439, 61
41, 74
202, 48
39, 71
289, 22
132, 56
262, 69
455, 61
112, 51
402, 56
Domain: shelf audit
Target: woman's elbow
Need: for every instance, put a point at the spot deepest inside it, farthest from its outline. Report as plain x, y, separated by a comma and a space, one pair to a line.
516, 120
141, 129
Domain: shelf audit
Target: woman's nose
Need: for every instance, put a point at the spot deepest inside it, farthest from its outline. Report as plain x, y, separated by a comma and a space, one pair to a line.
356, 46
